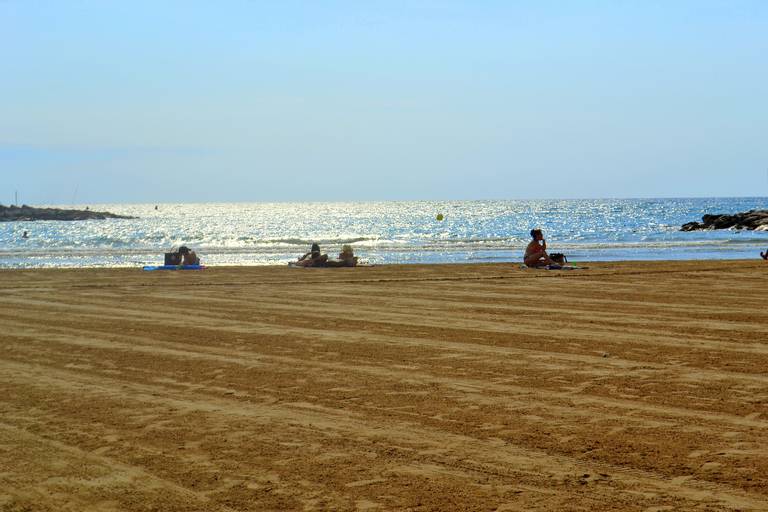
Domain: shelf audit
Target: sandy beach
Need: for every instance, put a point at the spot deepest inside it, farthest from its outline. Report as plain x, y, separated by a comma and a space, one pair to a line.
627, 386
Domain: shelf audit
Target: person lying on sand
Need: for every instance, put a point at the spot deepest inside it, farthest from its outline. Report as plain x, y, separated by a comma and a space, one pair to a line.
764, 255
536, 252
188, 256
313, 258
347, 258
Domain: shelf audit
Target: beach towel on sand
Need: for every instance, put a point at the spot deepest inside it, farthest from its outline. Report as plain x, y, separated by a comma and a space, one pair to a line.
174, 267
294, 265
554, 267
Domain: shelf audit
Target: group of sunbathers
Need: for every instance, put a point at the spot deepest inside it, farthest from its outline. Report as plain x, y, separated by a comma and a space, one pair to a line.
536, 255
184, 256
314, 258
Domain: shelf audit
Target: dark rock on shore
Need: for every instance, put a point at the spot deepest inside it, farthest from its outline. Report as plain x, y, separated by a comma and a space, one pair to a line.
29, 213
753, 219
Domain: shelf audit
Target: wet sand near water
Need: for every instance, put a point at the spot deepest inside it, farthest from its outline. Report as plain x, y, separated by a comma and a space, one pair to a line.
627, 386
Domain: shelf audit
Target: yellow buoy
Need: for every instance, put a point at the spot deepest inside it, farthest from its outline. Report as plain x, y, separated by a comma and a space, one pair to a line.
439, 216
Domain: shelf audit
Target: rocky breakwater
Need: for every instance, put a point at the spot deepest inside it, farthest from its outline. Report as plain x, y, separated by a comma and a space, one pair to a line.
753, 219
30, 213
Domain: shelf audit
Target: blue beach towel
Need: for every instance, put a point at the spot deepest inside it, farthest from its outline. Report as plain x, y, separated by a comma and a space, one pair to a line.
174, 267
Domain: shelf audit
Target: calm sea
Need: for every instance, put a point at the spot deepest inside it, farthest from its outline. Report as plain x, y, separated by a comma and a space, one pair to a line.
384, 232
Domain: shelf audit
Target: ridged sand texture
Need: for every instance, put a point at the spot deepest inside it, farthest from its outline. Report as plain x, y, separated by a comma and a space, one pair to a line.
627, 386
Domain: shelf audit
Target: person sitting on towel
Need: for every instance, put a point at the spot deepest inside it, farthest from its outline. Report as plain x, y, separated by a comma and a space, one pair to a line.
188, 256
536, 252
764, 255
347, 258
313, 258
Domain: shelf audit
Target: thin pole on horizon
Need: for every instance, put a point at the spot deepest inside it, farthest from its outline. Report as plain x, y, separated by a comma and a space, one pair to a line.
16, 198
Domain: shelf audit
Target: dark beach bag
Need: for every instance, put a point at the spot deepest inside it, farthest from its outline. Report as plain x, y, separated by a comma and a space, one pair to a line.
558, 257
172, 258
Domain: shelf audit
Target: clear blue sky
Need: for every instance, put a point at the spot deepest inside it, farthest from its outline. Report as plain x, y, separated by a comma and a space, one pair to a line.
148, 101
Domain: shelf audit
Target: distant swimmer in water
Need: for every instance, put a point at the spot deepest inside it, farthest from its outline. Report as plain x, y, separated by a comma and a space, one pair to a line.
155, 207
763, 254
25, 235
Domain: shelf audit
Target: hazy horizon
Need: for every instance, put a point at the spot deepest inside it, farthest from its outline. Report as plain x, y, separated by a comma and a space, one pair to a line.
184, 102
81, 204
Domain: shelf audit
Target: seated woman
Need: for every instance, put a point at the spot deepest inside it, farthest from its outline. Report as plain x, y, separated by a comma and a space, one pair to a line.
347, 258
188, 256
313, 258
536, 252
